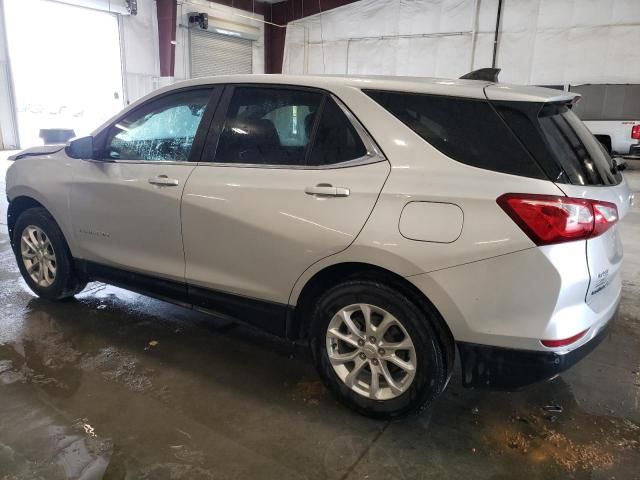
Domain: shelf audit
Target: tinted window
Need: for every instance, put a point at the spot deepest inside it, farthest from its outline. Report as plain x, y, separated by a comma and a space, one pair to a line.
578, 152
161, 130
467, 130
268, 126
561, 143
336, 138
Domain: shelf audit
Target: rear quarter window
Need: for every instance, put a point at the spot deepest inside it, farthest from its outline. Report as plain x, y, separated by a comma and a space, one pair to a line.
467, 130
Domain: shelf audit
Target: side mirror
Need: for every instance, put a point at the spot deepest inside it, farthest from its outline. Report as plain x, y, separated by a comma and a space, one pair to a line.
81, 147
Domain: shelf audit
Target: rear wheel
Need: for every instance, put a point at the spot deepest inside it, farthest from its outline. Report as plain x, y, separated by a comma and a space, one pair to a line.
43, 256
375, 350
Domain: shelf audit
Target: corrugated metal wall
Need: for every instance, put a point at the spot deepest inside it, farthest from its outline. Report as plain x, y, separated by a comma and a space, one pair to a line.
608, 102
214, 54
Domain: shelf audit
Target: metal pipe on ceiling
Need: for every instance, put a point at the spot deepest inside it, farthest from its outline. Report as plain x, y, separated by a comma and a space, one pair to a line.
497, 32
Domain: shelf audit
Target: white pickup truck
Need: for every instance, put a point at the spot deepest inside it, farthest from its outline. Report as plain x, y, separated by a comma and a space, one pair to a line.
621, 137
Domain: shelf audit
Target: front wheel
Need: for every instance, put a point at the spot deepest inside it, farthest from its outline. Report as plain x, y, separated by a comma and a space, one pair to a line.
376, 350
43, 256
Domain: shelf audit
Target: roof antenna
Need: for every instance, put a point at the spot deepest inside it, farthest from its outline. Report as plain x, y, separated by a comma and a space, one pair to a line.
486, 74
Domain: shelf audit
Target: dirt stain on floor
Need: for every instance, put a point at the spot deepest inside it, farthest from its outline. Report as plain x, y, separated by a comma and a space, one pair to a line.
571, 444
309, 391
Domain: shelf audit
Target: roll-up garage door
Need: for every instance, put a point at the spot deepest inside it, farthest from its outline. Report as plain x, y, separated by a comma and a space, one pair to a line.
214, 54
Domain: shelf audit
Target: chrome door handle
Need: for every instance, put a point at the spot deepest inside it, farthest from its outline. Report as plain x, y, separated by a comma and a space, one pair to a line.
164, 181
326, 190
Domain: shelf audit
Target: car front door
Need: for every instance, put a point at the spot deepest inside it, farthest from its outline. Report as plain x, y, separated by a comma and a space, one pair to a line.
287, 177
125, 203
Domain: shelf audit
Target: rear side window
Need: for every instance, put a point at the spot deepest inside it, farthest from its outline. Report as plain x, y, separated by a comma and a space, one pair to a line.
336, 139
467, 130
286, 127
268, 126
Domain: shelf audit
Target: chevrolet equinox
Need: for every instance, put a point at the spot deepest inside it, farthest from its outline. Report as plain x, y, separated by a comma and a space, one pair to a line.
393, 223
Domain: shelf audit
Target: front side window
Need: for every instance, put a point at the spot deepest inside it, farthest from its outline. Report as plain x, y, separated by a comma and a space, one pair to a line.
268, 126
161, 130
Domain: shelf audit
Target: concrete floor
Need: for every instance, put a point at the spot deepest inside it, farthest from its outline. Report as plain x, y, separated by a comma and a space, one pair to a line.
84, 395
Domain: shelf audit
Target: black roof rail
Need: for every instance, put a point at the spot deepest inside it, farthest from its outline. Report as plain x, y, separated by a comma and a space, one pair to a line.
486, 74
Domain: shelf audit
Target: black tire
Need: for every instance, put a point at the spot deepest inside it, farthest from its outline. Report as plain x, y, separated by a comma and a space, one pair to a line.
431, 374
66, 283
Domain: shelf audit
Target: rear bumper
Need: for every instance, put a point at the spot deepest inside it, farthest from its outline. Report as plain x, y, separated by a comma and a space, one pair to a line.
500, 368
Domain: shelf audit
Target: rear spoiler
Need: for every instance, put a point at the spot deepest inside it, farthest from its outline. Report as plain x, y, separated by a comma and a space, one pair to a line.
503, 91
528, 93
486, 74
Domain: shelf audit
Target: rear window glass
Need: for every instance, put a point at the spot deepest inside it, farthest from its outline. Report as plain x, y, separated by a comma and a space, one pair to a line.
467, 130
561, 143
580, 155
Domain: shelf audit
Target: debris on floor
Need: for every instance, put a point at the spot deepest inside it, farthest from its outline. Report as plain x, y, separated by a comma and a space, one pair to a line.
553, 408
576, 456
567, 446
309, 391
518, 441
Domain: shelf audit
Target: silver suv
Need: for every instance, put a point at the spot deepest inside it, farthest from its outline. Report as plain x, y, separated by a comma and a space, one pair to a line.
394, 223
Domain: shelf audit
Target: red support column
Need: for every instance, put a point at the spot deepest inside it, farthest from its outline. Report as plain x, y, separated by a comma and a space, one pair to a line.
167, 19
282, 13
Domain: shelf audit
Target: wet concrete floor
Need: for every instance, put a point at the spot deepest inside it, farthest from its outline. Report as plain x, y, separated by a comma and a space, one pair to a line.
118, 386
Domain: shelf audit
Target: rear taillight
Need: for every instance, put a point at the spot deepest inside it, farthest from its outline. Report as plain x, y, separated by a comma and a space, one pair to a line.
548, 219
606, 214
635, 132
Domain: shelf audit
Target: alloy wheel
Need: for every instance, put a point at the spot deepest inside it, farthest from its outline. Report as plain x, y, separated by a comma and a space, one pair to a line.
38, 256
371, 351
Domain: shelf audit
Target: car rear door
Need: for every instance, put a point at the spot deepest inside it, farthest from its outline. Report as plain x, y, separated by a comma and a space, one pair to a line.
287, 177
125, 203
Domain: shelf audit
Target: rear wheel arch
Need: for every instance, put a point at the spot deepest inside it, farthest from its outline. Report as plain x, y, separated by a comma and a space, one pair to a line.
300, 326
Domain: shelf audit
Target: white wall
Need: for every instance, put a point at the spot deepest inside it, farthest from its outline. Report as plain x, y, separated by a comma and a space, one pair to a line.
140, 55
542, 41
8, 127
223, 17
139, 43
